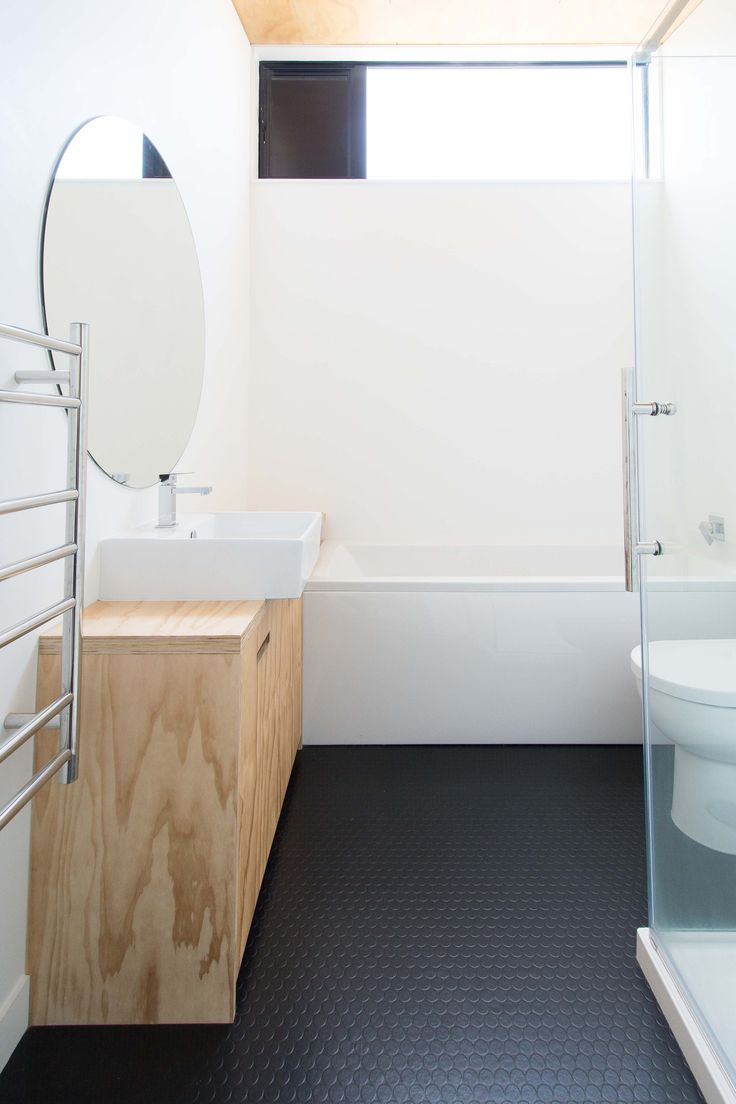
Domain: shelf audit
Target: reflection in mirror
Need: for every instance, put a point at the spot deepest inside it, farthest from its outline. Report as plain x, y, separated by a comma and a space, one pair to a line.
118, 252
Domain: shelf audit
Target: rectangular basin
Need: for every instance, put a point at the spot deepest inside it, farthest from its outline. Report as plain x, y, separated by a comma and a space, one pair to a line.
212, 557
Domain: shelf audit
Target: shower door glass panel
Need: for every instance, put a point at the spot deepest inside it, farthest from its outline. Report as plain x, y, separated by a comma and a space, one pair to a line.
686, 354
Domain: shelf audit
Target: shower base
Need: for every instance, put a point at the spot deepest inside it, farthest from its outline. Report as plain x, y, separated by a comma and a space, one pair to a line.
706, 962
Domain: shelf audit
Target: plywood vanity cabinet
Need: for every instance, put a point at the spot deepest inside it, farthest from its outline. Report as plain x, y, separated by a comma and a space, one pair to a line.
145, 872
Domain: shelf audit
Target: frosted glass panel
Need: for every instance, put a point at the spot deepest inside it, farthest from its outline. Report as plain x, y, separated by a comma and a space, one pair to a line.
687, 355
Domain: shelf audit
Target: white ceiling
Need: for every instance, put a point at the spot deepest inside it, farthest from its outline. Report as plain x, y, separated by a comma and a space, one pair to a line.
456, 22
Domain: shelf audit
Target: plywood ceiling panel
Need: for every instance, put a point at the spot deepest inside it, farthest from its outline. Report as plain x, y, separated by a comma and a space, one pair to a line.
448, 22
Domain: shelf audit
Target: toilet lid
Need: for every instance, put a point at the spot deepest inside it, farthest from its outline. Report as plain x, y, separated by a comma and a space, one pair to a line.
695, 670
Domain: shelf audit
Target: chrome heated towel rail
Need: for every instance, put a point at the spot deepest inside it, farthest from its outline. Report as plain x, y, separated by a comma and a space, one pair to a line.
64, 710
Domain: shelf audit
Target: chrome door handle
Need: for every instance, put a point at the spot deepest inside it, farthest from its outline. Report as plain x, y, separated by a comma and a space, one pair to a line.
652, 409
629, 479
632, 546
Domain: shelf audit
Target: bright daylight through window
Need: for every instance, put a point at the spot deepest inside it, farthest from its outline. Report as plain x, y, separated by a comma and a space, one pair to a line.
567, 122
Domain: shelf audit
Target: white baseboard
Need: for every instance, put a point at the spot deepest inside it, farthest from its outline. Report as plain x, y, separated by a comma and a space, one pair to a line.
13, 1019
713, 1081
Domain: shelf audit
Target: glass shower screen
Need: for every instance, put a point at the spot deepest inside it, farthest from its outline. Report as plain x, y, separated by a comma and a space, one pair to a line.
685, 236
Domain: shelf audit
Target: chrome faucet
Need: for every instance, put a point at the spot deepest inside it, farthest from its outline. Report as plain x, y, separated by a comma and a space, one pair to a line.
167, 492
714, 529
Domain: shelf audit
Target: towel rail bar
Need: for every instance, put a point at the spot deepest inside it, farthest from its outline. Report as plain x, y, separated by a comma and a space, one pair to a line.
34, 724
31, 788
28, 398
21, 566
37, 621
31, 502
30, 337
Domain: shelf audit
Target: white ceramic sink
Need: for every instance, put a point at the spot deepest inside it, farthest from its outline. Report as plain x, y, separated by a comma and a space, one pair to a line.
212, 557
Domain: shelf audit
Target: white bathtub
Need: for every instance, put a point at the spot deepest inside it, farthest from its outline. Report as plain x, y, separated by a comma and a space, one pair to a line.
425, 644
405, 567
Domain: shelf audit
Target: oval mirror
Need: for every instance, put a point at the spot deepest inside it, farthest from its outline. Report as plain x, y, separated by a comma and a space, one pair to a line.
117, 251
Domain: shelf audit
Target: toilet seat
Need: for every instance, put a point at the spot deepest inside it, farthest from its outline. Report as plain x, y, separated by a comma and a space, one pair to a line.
701, 671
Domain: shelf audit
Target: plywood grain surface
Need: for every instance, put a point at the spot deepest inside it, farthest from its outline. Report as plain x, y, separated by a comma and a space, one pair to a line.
162, 626
133, 887
145, 872
436, 22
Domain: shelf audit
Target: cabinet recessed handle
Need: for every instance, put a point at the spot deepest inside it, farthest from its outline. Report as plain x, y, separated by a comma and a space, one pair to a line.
264, 645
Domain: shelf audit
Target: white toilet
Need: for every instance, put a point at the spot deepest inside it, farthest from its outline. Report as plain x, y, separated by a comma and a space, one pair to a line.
692, 701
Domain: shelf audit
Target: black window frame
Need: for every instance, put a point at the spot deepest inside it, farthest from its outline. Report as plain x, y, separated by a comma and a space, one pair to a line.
353, 138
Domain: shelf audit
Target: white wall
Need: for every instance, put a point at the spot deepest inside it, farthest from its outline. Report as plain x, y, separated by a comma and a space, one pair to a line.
178, 68
711, 29
441, 362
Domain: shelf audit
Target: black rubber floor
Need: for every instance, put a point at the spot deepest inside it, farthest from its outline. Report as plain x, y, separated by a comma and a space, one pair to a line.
436, 926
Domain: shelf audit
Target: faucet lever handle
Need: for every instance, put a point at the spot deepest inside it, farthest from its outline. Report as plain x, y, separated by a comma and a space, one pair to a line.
166, 477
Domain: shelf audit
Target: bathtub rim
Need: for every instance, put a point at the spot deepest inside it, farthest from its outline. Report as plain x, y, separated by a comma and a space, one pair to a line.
349, 583
346, 582
509, 584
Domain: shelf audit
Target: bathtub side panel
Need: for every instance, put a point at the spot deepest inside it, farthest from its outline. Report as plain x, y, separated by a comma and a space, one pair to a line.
464, 667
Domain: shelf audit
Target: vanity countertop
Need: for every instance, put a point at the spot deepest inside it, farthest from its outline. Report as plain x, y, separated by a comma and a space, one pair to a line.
190, 627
